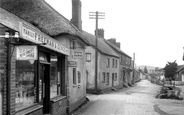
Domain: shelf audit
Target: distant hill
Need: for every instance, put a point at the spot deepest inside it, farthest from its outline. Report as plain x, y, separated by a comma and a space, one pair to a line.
149, 68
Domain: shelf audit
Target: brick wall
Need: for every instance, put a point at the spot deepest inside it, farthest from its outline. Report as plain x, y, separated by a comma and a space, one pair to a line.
3, 74
3, 69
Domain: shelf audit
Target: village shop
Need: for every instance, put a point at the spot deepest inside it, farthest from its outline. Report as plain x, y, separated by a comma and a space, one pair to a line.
33, 82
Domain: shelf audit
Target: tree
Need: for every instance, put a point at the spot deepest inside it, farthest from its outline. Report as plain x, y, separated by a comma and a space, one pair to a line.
145, 70
170, 70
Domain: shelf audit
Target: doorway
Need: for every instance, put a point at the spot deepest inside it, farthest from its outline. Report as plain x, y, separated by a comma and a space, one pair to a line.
44, 86
112, 79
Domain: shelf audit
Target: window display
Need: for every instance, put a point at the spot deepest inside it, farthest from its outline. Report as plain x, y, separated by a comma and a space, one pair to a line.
54, 78
25, 83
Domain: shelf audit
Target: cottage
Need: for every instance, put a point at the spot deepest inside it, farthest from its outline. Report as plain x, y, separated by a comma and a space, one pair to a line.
107, 65
46, 75
124, 63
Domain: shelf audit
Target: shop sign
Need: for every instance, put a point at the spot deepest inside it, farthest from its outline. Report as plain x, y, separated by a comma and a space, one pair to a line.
26, 53
72, 64
30, 33
77, 54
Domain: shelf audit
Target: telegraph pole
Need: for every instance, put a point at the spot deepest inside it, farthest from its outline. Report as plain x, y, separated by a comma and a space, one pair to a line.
96, 15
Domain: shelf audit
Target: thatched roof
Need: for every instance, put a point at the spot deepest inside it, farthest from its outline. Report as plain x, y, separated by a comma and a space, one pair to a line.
103, 47
116, 48
41, 15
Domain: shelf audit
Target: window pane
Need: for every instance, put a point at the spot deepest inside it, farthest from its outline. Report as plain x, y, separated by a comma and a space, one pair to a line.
54, 78
88, 57
25, 84
107, 78
74, 76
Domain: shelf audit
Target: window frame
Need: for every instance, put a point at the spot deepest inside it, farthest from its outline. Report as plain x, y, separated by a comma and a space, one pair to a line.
88, 57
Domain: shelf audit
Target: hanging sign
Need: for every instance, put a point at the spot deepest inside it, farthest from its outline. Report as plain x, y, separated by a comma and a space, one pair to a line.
26, 53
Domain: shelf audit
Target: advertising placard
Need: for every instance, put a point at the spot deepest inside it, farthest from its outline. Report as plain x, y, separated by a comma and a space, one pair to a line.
26, 53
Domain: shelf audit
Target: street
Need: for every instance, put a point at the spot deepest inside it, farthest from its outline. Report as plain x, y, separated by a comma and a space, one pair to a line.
137, 100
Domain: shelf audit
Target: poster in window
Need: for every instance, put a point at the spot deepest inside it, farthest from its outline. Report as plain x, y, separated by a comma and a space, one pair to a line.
26, 52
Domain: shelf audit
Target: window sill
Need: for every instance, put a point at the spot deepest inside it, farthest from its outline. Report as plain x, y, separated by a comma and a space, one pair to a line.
58, 98
74, 85
29, 109
79, 86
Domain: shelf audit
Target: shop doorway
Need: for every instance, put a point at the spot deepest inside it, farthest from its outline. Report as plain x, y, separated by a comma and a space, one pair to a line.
44, 86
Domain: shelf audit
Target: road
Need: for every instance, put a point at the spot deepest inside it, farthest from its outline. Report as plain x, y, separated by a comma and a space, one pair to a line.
137, 100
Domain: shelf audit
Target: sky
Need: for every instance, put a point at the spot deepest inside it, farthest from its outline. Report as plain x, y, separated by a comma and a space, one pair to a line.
152, 29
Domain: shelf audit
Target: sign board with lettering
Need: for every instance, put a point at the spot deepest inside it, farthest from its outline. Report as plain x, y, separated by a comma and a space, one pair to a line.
26, 53
72, 64
77, 54
31, 34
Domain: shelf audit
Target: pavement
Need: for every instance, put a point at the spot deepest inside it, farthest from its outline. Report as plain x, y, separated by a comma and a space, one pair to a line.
136, 100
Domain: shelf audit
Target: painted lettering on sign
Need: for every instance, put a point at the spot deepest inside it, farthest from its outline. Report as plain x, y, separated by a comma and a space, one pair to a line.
77, 54
72, 64
31, 34
26, 53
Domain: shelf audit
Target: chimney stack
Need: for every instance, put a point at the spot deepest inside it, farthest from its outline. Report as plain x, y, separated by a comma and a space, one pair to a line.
76, 14
118, 44
112, 40
100, 32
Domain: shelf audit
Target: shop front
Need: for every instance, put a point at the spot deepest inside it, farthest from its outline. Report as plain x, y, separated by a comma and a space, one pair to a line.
34, 81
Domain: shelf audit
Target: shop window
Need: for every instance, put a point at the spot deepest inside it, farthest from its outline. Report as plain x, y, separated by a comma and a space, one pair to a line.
74, 76
79, 77
54, 77
25, 84
88, 57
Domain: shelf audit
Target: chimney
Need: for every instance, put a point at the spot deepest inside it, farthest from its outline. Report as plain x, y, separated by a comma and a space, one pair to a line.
76, 14
118, 44
112, 40
100, 32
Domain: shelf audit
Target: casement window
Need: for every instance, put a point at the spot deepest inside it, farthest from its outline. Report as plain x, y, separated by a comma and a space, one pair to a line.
116, 64
107, 80
113, 63
73, 44
79, 77
103, 79
74, 76
108, 62
88, 57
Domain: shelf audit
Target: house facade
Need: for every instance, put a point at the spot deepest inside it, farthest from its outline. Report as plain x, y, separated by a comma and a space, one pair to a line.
45, 74
180, 75
125, 69
107, 69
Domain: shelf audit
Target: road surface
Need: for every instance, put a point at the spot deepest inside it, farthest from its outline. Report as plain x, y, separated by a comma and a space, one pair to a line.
137, 100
